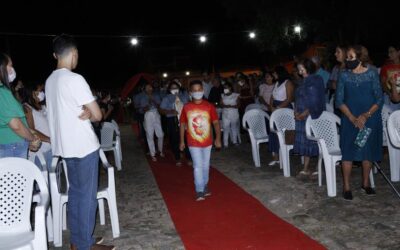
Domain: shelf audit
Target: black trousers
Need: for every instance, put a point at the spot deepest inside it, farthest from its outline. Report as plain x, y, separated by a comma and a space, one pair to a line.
174, 138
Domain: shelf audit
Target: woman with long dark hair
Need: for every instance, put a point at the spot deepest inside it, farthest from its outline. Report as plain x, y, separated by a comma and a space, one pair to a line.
14, 132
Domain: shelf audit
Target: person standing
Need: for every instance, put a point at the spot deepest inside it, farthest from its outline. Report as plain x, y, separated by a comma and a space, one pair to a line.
196, 120
359, 98
230, 115
71, 109
14, 131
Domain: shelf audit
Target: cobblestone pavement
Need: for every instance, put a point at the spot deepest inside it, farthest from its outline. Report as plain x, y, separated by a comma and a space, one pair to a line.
364, 223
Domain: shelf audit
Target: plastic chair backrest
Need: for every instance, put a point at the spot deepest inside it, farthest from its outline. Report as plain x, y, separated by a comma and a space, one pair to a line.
17, 177
107, 135
282, 119
116, 127
325, 127
255, 121
393, 128
254, 106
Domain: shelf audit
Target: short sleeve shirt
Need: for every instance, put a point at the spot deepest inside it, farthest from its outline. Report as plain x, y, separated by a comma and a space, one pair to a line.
9, 108
66, 93
198, 119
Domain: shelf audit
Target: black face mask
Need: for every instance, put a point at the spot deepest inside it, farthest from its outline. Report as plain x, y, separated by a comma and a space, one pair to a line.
352, 64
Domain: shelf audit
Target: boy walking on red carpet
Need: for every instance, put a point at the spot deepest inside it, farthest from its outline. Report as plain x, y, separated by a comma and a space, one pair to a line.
196, 119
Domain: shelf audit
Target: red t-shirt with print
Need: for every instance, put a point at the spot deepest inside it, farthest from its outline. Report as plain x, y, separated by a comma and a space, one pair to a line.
198, 119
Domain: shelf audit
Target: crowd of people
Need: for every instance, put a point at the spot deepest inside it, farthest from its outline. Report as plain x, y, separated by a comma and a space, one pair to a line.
63, 118
354, 87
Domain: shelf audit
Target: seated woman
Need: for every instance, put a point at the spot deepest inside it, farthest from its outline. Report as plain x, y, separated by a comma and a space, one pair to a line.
171, 106
36, 116
230, 114
309, 101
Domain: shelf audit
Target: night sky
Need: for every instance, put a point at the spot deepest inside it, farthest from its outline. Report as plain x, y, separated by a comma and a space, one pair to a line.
168, 33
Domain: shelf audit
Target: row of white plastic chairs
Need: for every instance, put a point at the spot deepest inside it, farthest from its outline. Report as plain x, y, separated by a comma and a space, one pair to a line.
17, 178
324, 130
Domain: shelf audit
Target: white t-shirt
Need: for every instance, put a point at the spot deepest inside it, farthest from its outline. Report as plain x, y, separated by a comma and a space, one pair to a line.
66, 93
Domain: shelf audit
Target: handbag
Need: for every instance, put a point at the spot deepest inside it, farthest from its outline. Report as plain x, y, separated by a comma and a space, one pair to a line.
362, 137
289, 137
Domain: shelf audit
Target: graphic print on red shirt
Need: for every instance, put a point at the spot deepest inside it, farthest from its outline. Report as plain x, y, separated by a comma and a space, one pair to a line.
198, 119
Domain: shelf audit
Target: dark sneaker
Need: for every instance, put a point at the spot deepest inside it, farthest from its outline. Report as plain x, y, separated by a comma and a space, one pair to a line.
200, 196
207, 191
369, 190
347, 195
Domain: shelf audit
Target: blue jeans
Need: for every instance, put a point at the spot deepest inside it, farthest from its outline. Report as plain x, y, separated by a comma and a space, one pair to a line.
201, 166
17, 149
83, 176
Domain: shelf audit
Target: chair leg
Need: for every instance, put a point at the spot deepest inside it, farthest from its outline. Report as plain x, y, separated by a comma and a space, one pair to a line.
64, 216
49, 225
258, 163
57, 224
117, 159
285, 162
371, 178
254, 153
331, 179
101, 211
394, 159
112, 206
320, 170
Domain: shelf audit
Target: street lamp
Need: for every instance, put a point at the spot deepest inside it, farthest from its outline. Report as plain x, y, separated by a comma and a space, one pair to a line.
252, 35
187, 73
165, 75
203, 39
134, 41
297, 29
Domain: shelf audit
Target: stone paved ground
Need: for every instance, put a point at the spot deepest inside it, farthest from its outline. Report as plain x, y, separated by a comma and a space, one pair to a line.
364, 223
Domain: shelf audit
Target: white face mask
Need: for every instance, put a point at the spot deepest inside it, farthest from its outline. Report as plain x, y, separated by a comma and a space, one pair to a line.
198, 95
241, 83
174, 91
227, 91
41, 96
12, 75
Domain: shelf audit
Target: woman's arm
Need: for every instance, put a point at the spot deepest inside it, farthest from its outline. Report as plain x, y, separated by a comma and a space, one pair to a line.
31, 124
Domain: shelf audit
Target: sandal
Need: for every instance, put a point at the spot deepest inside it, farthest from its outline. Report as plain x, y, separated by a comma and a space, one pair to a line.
304, 173
153, 158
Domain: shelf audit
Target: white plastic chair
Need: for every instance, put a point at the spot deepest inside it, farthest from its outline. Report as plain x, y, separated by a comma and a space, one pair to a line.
17, 178
394, 151
108, 193
255, 106
59, 200
282, 120
109, 144
118, 138
49, 217
393, 132
324, 130
254, 122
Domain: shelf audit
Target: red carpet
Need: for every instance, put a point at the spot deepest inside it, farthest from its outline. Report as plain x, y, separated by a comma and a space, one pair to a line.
229, 219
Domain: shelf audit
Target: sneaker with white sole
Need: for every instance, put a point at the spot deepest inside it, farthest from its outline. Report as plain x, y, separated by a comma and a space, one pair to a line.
272, 163
200, 196
207, 191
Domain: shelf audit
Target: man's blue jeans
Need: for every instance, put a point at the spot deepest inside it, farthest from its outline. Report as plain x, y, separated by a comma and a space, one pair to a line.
83, 176
201, 166
18, 149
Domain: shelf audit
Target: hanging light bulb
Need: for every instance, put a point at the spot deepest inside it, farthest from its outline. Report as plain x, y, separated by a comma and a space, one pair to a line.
203, 39
165, 75
252, 35
187, 73
297, 29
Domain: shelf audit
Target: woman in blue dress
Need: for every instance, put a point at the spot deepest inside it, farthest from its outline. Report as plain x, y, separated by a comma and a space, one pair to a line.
359, 97
309, 100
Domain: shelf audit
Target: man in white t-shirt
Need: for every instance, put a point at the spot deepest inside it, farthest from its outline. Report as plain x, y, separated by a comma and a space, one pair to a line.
71, 108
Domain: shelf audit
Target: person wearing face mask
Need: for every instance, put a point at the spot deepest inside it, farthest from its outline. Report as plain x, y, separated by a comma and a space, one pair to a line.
230, 115
150, 103
71, 107
196, 120
15, 135
36, 116
359, 97
171, 106
309, 101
